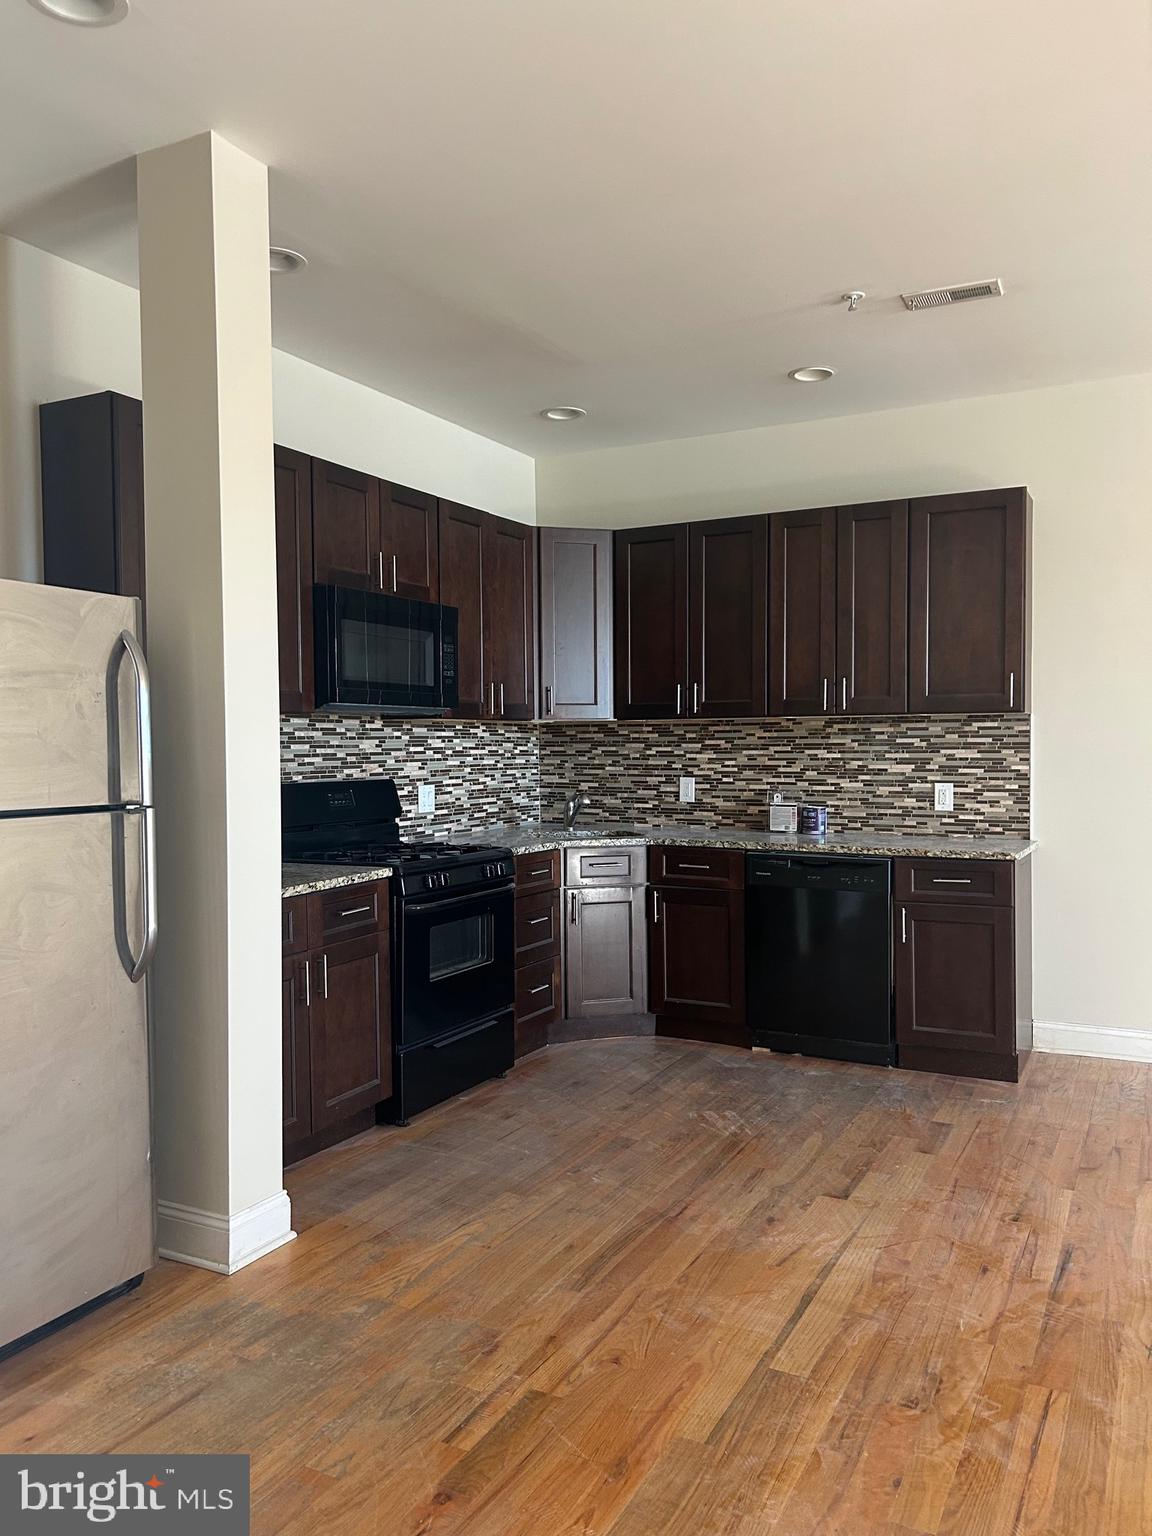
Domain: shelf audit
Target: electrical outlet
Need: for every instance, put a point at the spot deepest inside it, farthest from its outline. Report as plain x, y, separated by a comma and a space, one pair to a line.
687, 790
426, 797
776, 797
943, 797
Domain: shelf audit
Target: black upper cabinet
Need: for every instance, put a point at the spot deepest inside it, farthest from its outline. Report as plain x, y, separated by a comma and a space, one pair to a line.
575, 600
462, 588
969, 571
346, 527
802, 643
650, 622
92, 480
294, 581
409, 542
509, 618
727, 616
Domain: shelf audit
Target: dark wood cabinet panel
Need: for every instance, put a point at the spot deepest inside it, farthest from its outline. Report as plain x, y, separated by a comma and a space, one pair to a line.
293, 494
348, 912
409, 539
968, 605
728, 616
294, 924
346, 546
537, 926
350, 1038
961, 881
92, 490
954, 981
872, 608
462, 577
296, 1068
650, 622
575, 601
538, 871
509, 618
802, 612
538, 999
696, 955
605, 951
696, 866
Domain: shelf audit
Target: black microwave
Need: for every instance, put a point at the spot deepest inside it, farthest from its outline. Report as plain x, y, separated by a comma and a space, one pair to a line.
383, 655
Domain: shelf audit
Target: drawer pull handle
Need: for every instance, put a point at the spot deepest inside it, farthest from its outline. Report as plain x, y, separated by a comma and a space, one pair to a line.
547, 987
705, 867
547, 870
950, 880
353, 911
607, 863
533, 921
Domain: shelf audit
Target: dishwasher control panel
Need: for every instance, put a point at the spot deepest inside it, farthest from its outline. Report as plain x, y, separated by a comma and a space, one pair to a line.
817, 873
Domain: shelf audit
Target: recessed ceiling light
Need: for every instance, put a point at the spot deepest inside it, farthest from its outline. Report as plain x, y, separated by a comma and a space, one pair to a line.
281, 259
811, 375
563, 413
84, 13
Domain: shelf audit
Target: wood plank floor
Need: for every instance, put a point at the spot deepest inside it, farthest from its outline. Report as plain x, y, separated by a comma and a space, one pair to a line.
653, 1289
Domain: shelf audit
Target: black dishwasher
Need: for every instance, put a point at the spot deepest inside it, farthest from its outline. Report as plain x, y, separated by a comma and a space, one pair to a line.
819, 951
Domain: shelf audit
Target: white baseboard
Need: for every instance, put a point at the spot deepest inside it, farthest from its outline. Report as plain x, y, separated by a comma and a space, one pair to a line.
1094, 1040
223, 1243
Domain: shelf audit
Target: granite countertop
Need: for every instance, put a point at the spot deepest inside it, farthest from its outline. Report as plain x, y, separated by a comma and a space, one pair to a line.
542, 836
305, 879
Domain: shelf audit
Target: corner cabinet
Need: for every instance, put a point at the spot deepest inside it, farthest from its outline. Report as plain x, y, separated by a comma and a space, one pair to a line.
575, 603
963, 971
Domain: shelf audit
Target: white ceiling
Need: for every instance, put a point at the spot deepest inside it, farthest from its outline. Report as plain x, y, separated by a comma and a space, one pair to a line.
645, 207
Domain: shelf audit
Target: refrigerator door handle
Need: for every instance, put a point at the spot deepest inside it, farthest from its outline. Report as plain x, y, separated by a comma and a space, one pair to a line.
135, 965
143, 713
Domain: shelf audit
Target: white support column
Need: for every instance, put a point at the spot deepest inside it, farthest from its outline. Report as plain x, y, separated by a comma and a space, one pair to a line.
206, 352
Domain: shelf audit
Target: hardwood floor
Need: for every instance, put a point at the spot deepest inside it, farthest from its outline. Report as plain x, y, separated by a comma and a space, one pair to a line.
653, 1289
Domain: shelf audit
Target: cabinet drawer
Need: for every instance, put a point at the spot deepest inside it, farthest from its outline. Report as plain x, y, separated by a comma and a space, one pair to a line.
537, 926
346, 913
538, 991
987, 881
538, 871
714, 867
605, 866
294, 924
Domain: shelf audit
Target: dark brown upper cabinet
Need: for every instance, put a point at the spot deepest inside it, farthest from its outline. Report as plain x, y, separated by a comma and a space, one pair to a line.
802, 635
575, 595
650, 622
839, 610
509, 603
293, 480
872, 608
462, 588
968, 609
727, 616
409, 542
346, 527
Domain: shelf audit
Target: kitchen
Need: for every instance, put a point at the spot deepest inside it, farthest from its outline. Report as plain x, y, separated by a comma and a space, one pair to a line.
707, 1075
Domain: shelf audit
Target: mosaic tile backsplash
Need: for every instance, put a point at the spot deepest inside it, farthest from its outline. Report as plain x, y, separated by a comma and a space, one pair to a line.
872, 774
484, 773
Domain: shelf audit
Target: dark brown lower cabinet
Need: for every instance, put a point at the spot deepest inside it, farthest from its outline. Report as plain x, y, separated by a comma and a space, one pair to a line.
537, 928
337, 1023
696, 963
963, 969
605, 951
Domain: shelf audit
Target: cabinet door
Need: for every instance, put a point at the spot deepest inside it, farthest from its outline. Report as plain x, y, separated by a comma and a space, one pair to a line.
728, 607
461, 587
294, 581
410, 542
968, 564
351, 1053
872, 608
954, 981
696, 955
650, 622
575, 623
802, 612
509, 618
346, 527
605, 952
294, 1010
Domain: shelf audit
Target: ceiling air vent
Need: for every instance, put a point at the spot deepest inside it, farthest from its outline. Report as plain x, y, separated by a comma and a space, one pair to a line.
933, 298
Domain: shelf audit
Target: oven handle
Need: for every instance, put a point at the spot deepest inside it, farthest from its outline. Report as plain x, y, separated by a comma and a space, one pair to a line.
462, 1034
457, 901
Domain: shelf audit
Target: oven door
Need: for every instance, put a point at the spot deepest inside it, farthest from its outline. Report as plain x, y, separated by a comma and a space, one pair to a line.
383, 654
456, 963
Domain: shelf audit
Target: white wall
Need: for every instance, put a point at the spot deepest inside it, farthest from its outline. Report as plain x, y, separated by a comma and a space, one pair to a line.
1086, 453
67, 331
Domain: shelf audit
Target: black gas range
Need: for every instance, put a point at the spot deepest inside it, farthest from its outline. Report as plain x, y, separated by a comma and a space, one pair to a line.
452, 935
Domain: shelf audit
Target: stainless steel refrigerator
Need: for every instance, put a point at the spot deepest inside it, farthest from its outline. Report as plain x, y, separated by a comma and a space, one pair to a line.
77, 933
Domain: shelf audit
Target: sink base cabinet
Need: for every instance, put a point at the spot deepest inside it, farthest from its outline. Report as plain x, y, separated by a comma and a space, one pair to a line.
963, 968
696, 944
605, 951
336, 1010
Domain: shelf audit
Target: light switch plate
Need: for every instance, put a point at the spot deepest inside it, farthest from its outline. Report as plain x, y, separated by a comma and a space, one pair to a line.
687, 790
426, 797
943, 797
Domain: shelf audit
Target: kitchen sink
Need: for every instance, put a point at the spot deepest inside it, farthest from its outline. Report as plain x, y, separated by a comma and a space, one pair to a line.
600, 832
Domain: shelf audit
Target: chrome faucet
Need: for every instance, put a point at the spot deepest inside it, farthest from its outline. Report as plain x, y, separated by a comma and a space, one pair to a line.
572, 808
